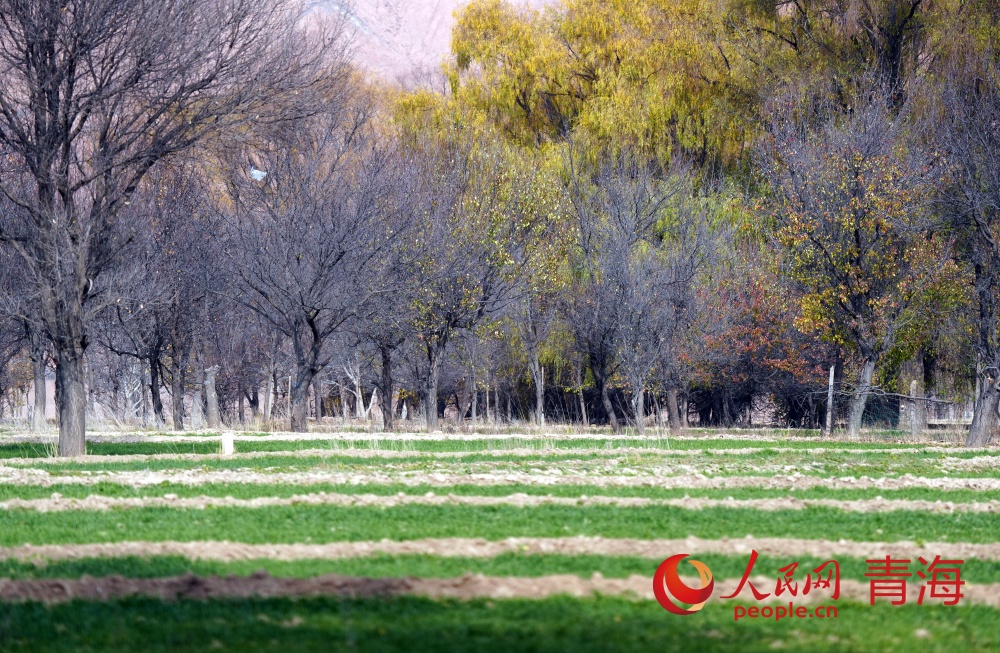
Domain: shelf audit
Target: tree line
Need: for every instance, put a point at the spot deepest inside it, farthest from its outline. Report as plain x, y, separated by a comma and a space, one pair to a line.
598, 212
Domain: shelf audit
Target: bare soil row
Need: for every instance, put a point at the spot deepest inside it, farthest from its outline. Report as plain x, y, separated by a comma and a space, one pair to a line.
183, 436
549, 476
987, 461
481, 548
262, 585
58, 503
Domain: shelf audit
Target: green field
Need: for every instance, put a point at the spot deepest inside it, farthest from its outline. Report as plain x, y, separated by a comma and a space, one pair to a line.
602, 622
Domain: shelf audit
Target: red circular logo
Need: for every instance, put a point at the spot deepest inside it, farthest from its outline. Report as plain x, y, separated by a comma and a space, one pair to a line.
667, 583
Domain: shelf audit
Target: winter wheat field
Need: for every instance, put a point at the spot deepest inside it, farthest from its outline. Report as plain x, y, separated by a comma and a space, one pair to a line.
494, 541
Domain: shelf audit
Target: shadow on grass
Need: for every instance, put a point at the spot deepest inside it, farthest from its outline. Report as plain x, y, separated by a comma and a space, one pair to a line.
415, 624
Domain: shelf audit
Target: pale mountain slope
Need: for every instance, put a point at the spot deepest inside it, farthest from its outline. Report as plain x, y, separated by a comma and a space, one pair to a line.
401, 38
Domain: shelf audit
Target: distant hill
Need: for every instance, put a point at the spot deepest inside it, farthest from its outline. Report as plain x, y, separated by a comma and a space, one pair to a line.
401, 38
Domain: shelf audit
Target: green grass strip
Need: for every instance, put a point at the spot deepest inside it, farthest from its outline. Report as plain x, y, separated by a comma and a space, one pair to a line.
333, 461
762, 463
287, 524
418, 625
251, 491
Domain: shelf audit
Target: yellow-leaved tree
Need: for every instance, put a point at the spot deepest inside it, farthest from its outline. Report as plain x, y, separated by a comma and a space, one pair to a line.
648, 75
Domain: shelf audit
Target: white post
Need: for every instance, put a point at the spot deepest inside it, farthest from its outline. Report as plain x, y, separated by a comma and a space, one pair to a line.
829, 405
227, 443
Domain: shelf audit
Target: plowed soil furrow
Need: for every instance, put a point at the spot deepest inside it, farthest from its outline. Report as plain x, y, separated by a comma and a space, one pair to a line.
101, 502
465, 587
480, 548
538, 478
955, 463
975, 463
184, 437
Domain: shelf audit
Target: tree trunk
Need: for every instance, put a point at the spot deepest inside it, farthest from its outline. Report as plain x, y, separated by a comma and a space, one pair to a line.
38, 371
375, 401
608, 408
265, 410
538, 378
269, 397
433, 367
345, 407
72, 402
920, 414
253, 398
673, 410
359, 396
860, 399
212, 397
318, 398
639, 409
914, 371
432, 400
389, 409
276, 394
177, 390
475, 398
116, 394
198, 403
306, 369
496, 402
578, 370
154, 391
144, 391
599, 378
838, 381
605, 400
985, 421
89, 385
300, 401
462, 403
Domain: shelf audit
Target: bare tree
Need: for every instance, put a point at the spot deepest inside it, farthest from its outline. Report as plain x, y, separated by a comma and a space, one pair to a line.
533, 318
38, 352
157, 290
480, 222
969, 138
657, 289
386, 320
618, 307
18, 305
93, 93
303, 241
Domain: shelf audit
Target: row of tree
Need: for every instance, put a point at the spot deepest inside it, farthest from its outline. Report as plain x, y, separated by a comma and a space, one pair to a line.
626, 207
